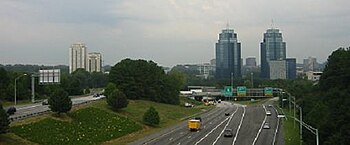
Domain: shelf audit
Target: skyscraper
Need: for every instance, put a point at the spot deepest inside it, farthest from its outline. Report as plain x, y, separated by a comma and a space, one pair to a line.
94, 62
272, 48
77, 56
228, 55
291, 68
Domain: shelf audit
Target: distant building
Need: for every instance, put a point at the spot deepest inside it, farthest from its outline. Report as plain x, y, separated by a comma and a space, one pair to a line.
272, 48
278, 69
313, 76
77, 56
250, 62
228, 55
291, 68
94, 62
310, 64
205, 70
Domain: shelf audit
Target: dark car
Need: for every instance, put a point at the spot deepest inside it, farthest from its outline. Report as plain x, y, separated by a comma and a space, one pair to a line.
45, 102
228, 133
227, 114
11, 110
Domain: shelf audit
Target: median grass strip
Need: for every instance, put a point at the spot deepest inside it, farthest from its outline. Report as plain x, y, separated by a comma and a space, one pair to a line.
88, 126
291, 132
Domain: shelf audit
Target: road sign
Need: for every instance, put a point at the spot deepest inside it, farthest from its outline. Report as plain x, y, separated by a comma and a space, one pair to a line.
268, 91
228, 91
241, 91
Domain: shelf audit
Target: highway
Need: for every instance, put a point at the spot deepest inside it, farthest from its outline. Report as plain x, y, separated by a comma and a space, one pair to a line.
245, 121
30, 110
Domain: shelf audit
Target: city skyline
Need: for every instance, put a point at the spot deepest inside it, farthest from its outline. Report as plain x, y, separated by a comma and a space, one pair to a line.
167, 32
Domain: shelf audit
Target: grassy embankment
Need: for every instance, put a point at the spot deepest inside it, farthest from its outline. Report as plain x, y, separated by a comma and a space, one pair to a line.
290, 131
95, 123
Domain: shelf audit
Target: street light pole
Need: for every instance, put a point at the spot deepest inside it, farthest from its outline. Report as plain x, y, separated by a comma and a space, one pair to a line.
251, 74
301, 125
16, 87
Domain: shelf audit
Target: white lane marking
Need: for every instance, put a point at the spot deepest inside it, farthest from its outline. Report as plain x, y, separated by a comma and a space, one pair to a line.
181, 133
210, 122
211, 131
239, 127
189, 136
257, 135
170, 139
276, 131
179, 143
204, 126
225, 127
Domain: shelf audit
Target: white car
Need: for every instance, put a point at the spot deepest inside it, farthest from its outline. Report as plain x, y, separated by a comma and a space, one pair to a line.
266, 125
268, 113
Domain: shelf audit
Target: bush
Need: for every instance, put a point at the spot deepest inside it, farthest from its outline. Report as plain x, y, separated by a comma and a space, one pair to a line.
59, 101
117, 100
4, 120
151, 117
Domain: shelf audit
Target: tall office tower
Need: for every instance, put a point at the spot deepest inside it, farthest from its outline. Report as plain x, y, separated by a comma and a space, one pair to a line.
272, 48
291, 68
77, 56
228, 55
250, 62
94, 62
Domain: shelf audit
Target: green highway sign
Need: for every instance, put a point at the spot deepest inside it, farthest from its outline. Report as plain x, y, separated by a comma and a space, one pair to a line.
241, 91
228, 91
268, 91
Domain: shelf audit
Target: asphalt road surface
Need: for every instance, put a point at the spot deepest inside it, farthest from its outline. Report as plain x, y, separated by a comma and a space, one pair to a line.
245, 121
29, 110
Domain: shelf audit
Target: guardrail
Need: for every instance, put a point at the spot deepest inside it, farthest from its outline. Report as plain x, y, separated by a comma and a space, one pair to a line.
25, 116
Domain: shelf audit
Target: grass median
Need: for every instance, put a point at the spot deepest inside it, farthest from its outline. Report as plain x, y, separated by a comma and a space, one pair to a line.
95, 123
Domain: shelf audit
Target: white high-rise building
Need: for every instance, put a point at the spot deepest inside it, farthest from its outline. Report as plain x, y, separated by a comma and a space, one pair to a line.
94, 62
77, 57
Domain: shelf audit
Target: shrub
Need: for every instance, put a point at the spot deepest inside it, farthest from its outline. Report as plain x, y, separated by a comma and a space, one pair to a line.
4, 120
151, 117
59, 101
117, 100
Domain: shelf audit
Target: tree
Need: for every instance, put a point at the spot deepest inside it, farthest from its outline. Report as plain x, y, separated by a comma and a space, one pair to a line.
4, 120
117, 100
140, 79
59, 101
151, 117
110, 88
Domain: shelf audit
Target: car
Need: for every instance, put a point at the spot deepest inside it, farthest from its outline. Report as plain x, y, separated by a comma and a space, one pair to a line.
227, 114
268, 113
266, 125
96, 95
228, 133
270, 105
11, 110
45, 102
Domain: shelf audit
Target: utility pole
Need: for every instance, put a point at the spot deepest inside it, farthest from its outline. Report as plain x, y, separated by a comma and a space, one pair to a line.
231, 84
301, 125
251, 77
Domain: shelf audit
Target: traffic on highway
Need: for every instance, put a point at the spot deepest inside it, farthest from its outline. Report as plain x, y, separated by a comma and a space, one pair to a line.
226, 124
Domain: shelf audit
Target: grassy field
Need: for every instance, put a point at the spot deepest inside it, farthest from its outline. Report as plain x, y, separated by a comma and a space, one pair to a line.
84, 122
290, 132
86, 126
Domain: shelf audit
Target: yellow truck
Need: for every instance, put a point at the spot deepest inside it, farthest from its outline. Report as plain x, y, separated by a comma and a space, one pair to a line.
194, 124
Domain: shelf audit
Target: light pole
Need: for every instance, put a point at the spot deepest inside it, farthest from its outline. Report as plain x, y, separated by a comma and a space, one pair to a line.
16, 87
251, 77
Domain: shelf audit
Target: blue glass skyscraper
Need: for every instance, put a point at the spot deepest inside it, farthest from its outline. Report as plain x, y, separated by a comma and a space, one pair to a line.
272, 48
228, 55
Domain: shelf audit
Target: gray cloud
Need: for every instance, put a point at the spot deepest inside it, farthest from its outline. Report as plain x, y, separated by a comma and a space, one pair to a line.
166, 31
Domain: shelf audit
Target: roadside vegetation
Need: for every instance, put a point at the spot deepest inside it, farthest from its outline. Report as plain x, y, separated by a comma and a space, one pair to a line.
96, 123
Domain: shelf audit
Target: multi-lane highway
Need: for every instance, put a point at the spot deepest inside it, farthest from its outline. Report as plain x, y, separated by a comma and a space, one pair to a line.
246, 122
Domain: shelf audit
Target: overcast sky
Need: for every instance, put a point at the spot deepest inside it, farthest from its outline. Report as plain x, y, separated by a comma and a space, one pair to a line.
168, 32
